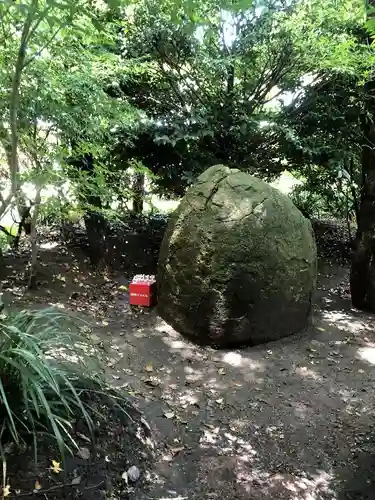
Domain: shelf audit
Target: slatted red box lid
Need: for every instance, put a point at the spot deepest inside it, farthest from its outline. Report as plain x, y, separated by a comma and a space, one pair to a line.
142, 291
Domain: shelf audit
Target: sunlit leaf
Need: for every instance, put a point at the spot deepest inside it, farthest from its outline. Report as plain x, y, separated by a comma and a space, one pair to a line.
55, 467
37, 486
6, 491
169, 414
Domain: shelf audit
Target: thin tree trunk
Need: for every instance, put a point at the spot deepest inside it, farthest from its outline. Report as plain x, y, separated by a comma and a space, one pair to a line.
10, 140
2, 268
25, 224
14, 99
34, 240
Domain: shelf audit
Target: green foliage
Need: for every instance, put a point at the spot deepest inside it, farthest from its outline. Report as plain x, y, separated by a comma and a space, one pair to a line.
6, 236
56, 63
176, 86
321, 139
311, 204
316, 202
208, 77
45, 372
4, 241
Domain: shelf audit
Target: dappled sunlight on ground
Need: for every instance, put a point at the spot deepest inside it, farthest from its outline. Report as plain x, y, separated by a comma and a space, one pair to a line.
237, 360
367, 354
295, 488
347, 322
306, 372
282, 421
49, 245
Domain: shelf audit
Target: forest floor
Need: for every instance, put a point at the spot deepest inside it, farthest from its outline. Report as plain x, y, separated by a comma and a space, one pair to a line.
290, 420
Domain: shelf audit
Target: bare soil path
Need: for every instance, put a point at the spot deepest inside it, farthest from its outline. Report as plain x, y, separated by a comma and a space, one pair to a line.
290, 420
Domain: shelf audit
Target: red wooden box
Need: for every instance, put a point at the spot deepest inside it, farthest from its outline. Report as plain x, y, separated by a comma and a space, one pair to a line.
142, 291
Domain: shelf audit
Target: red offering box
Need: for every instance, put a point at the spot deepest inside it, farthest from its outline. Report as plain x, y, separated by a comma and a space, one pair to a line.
142, 292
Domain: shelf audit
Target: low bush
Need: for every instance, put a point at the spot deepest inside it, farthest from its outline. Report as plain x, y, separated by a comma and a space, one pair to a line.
317, 198
46, 375
311, 204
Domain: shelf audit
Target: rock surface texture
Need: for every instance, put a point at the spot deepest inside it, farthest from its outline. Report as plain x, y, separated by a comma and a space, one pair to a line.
237, 264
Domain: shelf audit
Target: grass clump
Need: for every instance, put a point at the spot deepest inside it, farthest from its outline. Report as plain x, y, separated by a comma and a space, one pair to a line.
46, 375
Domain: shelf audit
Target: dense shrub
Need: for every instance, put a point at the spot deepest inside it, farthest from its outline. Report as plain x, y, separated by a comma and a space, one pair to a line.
123, 243
325, 201
309, 203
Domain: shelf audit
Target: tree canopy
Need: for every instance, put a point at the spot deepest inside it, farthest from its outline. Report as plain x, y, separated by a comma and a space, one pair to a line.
96, 97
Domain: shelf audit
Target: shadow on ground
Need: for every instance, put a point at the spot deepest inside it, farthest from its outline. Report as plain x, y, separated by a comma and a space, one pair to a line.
289, 420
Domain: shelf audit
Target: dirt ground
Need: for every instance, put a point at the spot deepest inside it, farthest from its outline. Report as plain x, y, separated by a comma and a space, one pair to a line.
290, 420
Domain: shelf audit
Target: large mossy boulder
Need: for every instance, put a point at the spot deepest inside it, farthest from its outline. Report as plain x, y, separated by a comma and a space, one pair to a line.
237, 264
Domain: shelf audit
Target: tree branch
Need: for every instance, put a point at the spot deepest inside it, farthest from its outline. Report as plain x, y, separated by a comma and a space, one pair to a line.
14, 98
37, 54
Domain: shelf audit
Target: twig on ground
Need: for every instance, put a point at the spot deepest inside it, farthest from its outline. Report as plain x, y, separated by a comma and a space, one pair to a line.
54, 488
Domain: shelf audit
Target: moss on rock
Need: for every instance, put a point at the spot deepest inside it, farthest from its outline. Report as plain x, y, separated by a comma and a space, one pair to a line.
238, 262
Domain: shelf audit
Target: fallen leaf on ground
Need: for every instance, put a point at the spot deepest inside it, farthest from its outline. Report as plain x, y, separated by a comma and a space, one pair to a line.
56, 467
6, 491
145, 423
124, 476
149, 368
181, 421
37, 486
169, 414
176, 451
84, 453
153, 382
85, 438
209, 426
76, 480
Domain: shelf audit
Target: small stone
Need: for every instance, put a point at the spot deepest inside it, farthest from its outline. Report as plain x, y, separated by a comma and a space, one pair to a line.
133, 473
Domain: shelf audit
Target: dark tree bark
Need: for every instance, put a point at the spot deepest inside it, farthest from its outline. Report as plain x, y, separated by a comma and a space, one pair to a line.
91, 202
34, 241
2, 268
25, 224
362, 276
95, 224
96, 229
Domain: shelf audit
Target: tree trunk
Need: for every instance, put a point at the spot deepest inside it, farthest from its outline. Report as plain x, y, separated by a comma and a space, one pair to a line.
91, 203
362, 275
96, 231
34, 241
2, 266
25, 223
138, 192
